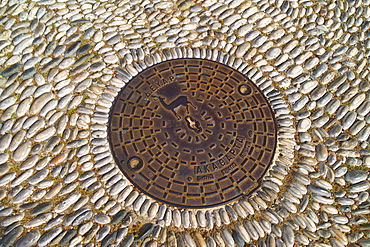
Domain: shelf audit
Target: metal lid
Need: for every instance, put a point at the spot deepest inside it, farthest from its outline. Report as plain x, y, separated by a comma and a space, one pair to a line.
192, 133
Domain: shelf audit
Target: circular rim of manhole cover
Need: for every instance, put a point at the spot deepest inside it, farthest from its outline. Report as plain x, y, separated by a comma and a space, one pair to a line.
192, 133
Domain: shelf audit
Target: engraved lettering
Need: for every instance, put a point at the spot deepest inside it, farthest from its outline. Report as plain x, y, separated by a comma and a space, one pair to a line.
229, 158
197, 170
155, 85
222, 162
228, 169
214, 166
240, 148
203, 169
206, 169
244, 152
205, 178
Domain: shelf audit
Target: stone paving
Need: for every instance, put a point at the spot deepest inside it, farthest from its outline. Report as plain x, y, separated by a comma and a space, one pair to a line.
63, 63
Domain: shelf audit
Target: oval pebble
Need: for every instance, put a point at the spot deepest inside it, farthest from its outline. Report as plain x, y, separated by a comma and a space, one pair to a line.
102, 219
356, 176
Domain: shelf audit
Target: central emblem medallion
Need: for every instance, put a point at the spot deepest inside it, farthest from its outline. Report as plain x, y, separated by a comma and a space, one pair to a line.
192, 133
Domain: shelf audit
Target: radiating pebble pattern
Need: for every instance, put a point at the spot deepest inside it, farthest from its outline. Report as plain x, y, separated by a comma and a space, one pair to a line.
62, 63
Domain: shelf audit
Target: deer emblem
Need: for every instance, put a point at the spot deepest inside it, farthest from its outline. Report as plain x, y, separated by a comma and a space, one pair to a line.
180, 101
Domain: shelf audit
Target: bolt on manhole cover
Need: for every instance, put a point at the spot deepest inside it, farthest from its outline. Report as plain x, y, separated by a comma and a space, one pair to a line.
192, 133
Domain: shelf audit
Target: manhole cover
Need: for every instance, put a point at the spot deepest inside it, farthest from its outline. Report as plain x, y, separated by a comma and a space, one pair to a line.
192, 133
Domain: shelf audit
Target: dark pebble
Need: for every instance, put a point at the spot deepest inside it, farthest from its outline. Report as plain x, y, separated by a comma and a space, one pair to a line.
42, 208
127, 241
28, 205
109, 239
67, 237
237, 238
118, 217
28, 73
345, 209
49, 235
12, 69
83, 49
38, 41
9, 239
59, 50
29, 239
72, 49
50, 48
144, 231
79, 22
261, 243
82, 60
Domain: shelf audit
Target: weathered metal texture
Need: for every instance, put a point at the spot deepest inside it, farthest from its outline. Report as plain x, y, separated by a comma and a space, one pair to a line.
192, 133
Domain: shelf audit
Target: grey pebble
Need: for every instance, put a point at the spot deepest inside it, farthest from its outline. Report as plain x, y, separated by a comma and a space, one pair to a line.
28, 73
39, 176
11, 70
144, 231
117, 218
356, 176
41, 208
359, 187
227, 237
23, 195
102, 233
83, 49
5, 142
71, 50
188, 240
7, 177
128, 240
321, 152
288, 236
67, 237
67, 202
29, 239
102, 219
39, 220
6, 212
319, 190
153, 209
9, 238
40, 102
48, 236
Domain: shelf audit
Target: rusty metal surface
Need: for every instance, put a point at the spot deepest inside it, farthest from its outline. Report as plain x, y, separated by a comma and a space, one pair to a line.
192, 133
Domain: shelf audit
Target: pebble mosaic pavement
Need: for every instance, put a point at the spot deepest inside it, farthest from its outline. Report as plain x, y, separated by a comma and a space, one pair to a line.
63, 63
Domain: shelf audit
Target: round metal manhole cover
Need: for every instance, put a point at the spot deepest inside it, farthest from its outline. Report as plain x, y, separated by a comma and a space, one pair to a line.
192, 133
